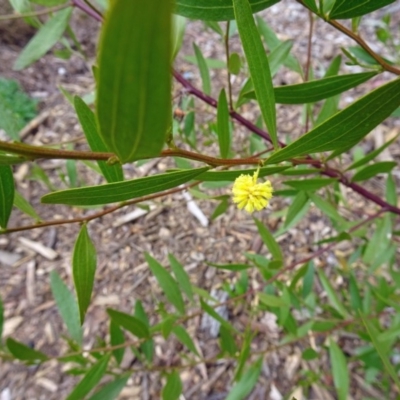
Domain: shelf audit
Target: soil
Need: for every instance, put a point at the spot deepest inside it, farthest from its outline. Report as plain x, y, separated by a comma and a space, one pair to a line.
122, 275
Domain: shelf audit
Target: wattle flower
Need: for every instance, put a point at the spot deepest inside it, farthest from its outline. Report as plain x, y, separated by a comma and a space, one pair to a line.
249, 194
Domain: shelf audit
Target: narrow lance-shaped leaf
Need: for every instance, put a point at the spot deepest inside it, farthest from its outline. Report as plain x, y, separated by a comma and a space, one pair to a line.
173, 388
84, 262
310, 92
113, 173
181, 276
21, 203
67, 306
258, 65
23, 352
269, 240
204, 72
167, 282
339, 370
224, 135
344, 9
134, 82
121, 191
46, 37
347, 127
7, 191
247, 382
372, 170
90, 380
111, 390
130, 323
211, 10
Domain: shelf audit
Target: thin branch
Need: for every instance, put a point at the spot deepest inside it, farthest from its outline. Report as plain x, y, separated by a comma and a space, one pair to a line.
35, 13
100, 213
87, 9
357, 38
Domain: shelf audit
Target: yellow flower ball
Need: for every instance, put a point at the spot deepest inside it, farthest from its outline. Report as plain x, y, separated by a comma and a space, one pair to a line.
249, 194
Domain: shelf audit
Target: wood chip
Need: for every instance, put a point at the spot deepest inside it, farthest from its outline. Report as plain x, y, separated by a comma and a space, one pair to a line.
11, 324
39, 248
132, 216
30, 281
9, 259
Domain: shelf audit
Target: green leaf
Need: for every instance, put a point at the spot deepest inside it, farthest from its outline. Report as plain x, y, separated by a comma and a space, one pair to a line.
230, 267
227, 342
7, 192
371, 170
178, 33
272, 41
211, 10
344, 9
370, 156
212, 63
48, 3
313, 91
84, 262
272, 301
258, 65
278, 56
90, 380
234, 63
167, 282
112, 173
130, 323
46, 37
67, 306
373, 334
230, 176
173, 388
116, 339
220, 209
332, 295
111, 390
310, 184
204, 72
347, 127
182, 335
134, 82
247, 382
296, 209
210, 311
311, 5
23, 352
121, 191
339, 370
181, 276
269, 240
326, 207
224, 134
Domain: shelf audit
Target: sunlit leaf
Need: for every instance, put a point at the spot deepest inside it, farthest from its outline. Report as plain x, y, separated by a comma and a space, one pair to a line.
344, 9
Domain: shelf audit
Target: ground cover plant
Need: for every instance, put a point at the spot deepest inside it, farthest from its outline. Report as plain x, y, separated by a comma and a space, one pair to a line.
343, 314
